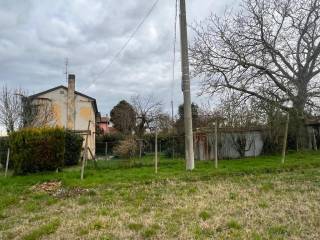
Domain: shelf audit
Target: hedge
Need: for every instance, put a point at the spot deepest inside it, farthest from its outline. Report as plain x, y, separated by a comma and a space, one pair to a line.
73, 145
4, 144
43, 149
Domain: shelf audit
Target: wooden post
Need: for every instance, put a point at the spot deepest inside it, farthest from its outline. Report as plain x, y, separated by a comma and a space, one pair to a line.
314, 140
140, 149
106, 150
156, 151
216, 144
7, 162
85, 154
254, 144
284, 147
173, 147
207, 157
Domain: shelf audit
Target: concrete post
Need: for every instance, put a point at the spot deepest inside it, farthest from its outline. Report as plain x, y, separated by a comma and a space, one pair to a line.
186, 88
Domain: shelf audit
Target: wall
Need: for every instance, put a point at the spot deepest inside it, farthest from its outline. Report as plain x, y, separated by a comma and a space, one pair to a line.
204, 145
83, 113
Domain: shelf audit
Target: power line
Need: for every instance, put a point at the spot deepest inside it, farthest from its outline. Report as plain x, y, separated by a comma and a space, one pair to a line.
173, 71
126, 43
174, 48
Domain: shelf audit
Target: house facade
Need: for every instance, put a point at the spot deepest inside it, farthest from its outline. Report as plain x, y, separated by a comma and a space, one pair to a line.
69, 109
103, 124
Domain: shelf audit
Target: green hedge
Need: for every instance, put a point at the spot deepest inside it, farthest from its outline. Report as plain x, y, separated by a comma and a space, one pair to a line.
34, 150
4, 144
73, 146
43, 149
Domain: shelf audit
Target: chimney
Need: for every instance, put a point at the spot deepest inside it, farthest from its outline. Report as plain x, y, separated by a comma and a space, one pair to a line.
71, 102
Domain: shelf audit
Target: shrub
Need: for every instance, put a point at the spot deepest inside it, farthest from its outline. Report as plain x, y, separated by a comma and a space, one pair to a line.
113, 140
4, 144
73, 145
34, 150
126, 148
272, 143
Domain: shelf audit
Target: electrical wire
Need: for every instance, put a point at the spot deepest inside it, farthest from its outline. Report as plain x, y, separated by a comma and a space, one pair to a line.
173, 71
174, 49
114, 58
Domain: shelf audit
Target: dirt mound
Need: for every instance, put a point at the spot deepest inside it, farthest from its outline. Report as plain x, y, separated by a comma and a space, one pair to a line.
47, 187
54, 188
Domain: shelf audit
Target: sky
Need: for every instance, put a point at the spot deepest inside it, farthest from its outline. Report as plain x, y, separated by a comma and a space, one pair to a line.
37, 36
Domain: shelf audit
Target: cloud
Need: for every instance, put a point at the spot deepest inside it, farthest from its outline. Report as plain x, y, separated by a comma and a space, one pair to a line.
37, 36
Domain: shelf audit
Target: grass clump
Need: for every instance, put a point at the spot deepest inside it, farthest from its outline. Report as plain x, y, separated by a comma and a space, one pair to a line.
135, 226
204, 215
234, 224
43, 230
278, 231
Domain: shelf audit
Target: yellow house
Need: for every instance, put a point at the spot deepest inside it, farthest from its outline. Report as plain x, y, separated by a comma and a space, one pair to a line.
70, 109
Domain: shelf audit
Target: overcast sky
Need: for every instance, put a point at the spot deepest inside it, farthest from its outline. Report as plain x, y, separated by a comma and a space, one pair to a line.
36, 37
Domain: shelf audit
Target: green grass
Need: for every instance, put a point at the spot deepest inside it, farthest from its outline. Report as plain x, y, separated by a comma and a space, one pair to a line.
253, 198
42, 231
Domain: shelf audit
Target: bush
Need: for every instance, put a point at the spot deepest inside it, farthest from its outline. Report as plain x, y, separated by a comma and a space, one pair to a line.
34, 150
113, 140
272, 143
126, 148
4, 144
73, 146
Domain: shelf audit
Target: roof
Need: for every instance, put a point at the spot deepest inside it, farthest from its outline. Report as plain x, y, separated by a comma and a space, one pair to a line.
231, 129
313, 121
94, 102
104, 120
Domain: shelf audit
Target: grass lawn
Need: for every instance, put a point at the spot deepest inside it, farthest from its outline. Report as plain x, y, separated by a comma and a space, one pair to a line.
255, 198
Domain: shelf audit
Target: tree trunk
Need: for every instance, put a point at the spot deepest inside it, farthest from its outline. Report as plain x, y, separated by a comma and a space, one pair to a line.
297, 127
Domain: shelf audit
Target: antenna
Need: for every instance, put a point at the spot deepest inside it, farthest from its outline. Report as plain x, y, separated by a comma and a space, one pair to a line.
66, 70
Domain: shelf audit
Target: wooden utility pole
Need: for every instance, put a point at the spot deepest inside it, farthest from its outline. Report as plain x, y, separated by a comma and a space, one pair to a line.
7, 163
156, 151
186, 88
284, 147
216, 144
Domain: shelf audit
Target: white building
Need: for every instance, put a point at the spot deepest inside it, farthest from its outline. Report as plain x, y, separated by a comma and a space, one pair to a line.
70, 109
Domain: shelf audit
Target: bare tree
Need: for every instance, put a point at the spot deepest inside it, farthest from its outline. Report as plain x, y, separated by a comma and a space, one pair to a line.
147, 110
268, 50
18, 111
10, 108
164, 122
37, 112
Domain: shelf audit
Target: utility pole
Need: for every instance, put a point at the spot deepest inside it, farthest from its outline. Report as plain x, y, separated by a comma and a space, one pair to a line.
172, 119
186, 87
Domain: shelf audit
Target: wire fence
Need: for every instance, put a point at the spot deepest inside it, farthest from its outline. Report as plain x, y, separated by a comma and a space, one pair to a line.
169, 146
